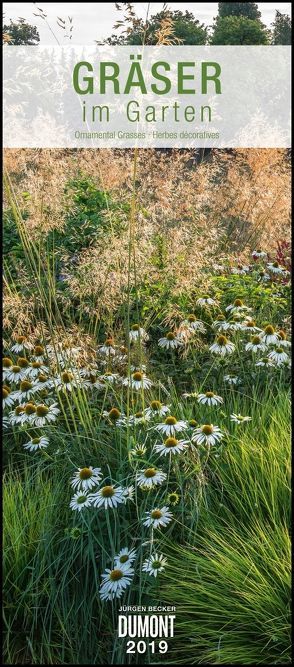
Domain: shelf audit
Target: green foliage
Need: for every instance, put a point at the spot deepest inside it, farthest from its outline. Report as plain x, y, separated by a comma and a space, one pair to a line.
84, 219
233, 594
21, 33
233, 30
185, 27
248, 9
282, 29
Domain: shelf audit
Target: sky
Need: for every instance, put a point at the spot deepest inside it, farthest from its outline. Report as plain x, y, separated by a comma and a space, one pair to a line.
94, 20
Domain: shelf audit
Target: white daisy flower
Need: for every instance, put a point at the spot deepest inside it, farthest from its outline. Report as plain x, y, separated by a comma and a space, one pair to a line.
138, 381
240, 270
283, 342
7, 397
269, 335
237, 306
128, 493
209, 398
107, 349
7, 364
150, 477
138, 450
5, 422
139, 417
114, 415
222, 346
154, 564
224, 326
256, 344
259, 254
39, 353
249, 326
16, 416
79, 501
44, 414
137, 333
170, 446
264, 361
25, 392
170, 341
156, 409
35, 369
239, 419
42, 382
279, 356
36, 443
207, 434
15, 374
108, 496
171, 426
206, 301
193, 324
232, 379
110, 378
66, 381
115, 582
86, 478
125, 557
21, 345
158, 517
274, 267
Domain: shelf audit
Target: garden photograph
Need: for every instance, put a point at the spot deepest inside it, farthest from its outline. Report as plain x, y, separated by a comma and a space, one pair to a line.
146, 409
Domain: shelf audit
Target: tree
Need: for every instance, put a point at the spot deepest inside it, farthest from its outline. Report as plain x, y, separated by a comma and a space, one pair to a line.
248, 9
20, 33
183, 27
239, 30
282, 30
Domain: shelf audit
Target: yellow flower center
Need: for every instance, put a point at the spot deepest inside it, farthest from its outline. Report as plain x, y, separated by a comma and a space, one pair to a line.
22, 362
238, 303
30, 409
66, 377
156, 514
38, 351
282, 334
85, 473
7, 363
279, 350
19, 410
42, 378
209, 394
20, 339
35, 441
25, 385
135, 327
81, 500
193, 423
170, 421
5, 392
124, 558
138, 415
16, 369
114, 414
255, 340
269, 330
191, 318
222, 340
170, 336
138, 377
107, 491
170, 443
116, 575
207, 429
250, 324
155, 405
149, 472
42, 410
36, 364
109, 342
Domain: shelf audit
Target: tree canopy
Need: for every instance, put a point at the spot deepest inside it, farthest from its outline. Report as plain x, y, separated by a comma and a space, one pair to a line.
20, 33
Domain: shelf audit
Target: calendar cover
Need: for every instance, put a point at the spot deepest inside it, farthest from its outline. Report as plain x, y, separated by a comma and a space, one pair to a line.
146, 333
